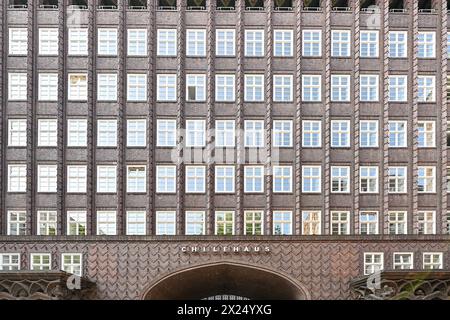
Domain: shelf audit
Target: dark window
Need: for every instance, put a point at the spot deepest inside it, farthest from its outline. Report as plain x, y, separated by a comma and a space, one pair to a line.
396, 5
82, 4
167, 4
309, 4
425, 5
283, 5
340, 3
48, 4
107, 4
18, 3
137, 4
226, 4
196, 4
448, 134
367, 3
254, 4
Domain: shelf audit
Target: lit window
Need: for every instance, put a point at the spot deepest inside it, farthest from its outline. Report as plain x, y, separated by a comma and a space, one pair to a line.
282, 179
107, 42
18, 41
253, 179
340, 133
368, 222
253, 223
427, 134
76, 223
397, 134
312, 43
311, 222
224, 223
427, 88
254, 87
107, 133
225, 179
340, 222
17, 178
368, 134
167, 42
17, 132
136, 223
165, 179
195, 133
40, 261
398, 88
195, 223
369, 88
397, 179
195, 87
77, 87
225, 42
254, 43
47, 132
403, 261
78, 42
165, 223
340, 43
340, 88
368, 179
311, 179
254, 133
136, 133
282, 223
17, 86
9, 261
48, 41
282, 88
427, 179
137, 87
46, 221
167, 87
195, 179
225, 88
426, 222
48, 87
106, 223
282, 43
369, 44
195, 43
427, 45
106, 179
136, 179
312, 134
432, 260
77, 133
137, 42
397, 222
76, 179
340, 179
107, 87
398, 44
17, 223
72, 263
47, 178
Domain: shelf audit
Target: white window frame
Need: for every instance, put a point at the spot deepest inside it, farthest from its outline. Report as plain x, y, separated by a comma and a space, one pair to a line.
19, 178
283, 177
107, 41
79, 222
41, 265
369, 133
47, 220
398, 88
425, 225
106, 219
78, 42
136, 178
136, 42
429, 135
18, 43
307, 176
311, 222
340, 220
135, 220
223, 85
254, 47
196, 177
48, 87
225, 40
374, 267
251, 219
396, 178
78, 91
250, 177
107, 87
76, 178
343, 181
343, 135
167, 87
398, 222
369, 177
107, 133
195, 42
137, 87
398, 133
20, 222
10, 261
198, 82
369, 48
340, 88
310, 44
398, 45
17, 132
165, 42
283, 88
282, 221
167, 219
426, 91
170, 172
252, 135
433, 179
47, 182
343, 47
311, 88
284, 45
48, 41
72, 267
424, 44
432, 265
104, 172
225, 178
253, 87
195, 134
368, 93
134, 136
310, 130
17, 86
191, 219
225, 222
77, 137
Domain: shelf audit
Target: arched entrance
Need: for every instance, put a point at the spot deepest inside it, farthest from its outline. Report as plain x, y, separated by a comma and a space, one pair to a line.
226, 279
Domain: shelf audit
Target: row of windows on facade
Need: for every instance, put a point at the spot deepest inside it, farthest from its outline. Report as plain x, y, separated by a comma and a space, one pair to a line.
196, 43
224, 222
72, 262
225, 87
195, 179
224, 133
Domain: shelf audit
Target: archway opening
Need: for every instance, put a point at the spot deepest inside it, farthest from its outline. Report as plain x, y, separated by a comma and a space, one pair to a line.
235, 281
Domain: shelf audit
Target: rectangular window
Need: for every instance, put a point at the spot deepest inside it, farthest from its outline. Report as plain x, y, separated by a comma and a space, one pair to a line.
253, 223
166, 133
107, 42
77, 133
369, 44
253, 179
9, 261
225, 133
427, 134
397, 179
40, 261
427, 179
77, 87
311, 222
195, 87
340, 222
397, 222
312, 134
167, 87
254, 87
225, 179
398, 44
107, 87
18, 41
17, 132
47, 133
311, 91
368, 222
106, 179
17, 178
224, 88
403, 261
282, 88
369, 88
254, 43
78, 41
373, 262
72, 263
137, 42
398, 88
48, 87
254, 133
48, 41
225, 42
448, 179
195, 179
311, 179
340, 43
340, 133
195, 42
136, 133
224, 223
47, 178
106, 223
448, 44
282, 133
47, 223
397, 134
137, 87
282, 179
447, 223
340, 88
165, 223
17, 86
368, 134
107, 133
136, 179
195, 133
76, 223
432, 260
427, 45
167, 42
282, 223
195, 223
136, 223
17, 223
166, 179
340, 179
76, 179
283, 43
312, 43
427, 88
368, 179
426, 222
